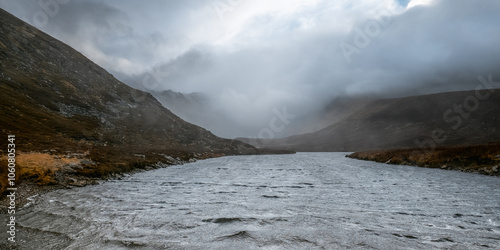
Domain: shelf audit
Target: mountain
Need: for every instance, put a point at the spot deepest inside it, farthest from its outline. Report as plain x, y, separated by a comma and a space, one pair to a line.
55, 99
427, 121
198, 108
333, 112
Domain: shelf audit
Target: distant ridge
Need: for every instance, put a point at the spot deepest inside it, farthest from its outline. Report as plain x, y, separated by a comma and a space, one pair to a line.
410, 122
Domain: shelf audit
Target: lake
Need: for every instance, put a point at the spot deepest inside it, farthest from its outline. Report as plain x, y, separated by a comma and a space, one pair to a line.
301, 201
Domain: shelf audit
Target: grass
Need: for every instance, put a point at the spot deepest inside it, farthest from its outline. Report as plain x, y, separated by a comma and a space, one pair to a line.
42, 168
469, 158
39, 167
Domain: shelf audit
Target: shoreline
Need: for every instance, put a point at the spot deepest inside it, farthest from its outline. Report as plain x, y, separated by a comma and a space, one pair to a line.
39, 171
481, 159
79, 174
29, 188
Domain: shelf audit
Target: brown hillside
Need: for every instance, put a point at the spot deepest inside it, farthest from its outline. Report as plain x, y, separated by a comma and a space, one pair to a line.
405, 122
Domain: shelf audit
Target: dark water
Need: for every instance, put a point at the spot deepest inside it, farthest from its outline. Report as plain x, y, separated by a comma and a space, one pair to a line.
303, 201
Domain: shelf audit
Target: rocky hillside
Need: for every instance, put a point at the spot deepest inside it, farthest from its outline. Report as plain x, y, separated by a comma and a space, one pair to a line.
55, 100
186, 106
454, 118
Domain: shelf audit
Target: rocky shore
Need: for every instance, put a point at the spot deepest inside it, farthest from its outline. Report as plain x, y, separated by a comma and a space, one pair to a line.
53, 171
40, 172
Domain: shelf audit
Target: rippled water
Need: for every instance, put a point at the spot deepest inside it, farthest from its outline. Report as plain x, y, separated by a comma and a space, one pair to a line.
302, 201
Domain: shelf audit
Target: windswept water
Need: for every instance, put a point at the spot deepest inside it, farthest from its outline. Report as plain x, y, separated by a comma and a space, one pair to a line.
302, 201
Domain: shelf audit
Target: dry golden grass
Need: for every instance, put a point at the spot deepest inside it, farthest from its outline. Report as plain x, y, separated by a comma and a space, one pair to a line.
39, 166
35, 162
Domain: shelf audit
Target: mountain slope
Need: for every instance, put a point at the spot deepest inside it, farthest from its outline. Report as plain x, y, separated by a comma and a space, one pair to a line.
335, 111
406, 122
54, 98
198, 109
187, 106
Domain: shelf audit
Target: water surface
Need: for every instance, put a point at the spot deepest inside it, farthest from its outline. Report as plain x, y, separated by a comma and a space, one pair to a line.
302, 201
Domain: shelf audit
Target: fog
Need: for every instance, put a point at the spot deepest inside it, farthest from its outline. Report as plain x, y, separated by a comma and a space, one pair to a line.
251, 58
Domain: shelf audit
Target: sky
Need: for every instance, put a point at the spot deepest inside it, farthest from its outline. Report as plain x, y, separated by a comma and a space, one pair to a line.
253, 57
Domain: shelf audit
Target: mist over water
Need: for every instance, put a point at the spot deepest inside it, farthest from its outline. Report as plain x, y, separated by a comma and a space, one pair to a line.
302, 201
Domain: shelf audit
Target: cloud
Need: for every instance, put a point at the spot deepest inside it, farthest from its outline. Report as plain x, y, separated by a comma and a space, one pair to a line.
250, 57
414, 3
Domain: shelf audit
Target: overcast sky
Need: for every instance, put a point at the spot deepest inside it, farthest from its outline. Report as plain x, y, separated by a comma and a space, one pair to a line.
251, 56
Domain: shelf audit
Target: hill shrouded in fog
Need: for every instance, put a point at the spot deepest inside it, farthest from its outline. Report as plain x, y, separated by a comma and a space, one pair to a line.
428, 121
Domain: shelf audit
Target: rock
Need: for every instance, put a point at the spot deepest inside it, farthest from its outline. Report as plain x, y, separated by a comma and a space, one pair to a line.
140, 155
78, 183
67, 170
76, 167
170, 159
87, 162
494, 169
160, 165
444, 167
74, 155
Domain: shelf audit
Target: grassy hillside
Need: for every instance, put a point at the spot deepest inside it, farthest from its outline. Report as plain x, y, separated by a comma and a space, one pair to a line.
443, 119
484, 159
